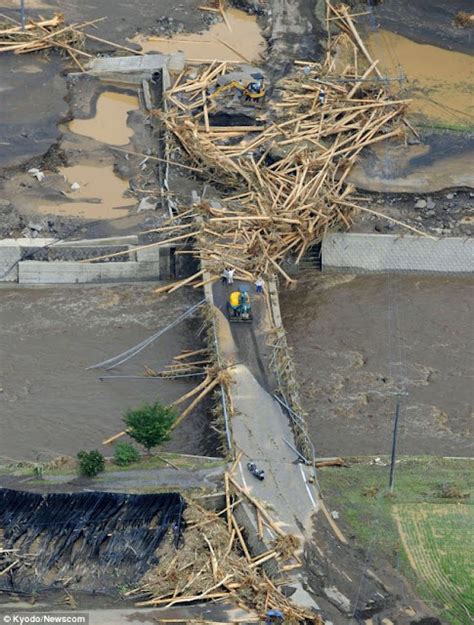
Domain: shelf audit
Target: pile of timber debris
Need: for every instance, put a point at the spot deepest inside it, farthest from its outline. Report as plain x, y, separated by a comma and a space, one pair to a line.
184, 365
215, 562
285, 177
53, 34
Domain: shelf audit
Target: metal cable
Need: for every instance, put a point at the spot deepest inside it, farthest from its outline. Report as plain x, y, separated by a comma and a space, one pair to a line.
110, 363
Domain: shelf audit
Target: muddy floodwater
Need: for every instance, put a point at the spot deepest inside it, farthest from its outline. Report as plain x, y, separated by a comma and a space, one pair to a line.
109, 124
100, 193
240, 39
359, 340
439, 82
49, 403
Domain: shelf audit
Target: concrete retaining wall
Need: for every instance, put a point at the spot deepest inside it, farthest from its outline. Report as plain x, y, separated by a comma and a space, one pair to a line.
360, 253
73, 272
134, 69
9, 257
147, 264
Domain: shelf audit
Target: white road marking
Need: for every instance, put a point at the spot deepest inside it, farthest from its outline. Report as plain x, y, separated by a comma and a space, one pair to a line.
242, 476
307, 487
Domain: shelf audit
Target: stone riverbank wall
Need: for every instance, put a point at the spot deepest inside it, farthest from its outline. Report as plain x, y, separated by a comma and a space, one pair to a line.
45, 261
361, 253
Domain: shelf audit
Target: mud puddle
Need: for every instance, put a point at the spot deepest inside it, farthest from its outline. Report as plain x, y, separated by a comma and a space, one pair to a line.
109, 124
100, 195
239, 41
440, 82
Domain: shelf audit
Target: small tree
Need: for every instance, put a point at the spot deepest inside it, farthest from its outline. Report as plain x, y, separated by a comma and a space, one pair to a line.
125, 453
150, 424
91, 463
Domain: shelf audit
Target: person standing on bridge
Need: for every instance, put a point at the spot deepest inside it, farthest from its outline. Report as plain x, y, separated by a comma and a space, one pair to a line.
259, 284
229, 275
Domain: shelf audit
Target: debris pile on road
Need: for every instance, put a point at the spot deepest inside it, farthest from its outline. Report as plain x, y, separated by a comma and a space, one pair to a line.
214, 562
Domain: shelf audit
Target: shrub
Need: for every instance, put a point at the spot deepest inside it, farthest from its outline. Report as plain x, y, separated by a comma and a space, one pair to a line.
150, 424
91, 463
125, 453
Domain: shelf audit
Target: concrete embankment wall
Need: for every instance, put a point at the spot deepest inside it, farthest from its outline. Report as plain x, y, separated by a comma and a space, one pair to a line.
16, 264
360, 253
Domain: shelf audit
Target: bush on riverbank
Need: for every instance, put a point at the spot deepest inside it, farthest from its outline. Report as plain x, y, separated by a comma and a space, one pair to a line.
150, 424
125, 453
91, 463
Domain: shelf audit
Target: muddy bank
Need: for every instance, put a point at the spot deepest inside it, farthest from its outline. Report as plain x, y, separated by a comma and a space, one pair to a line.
86, 180
50, 404
237, 40
441, 161
448, 213
428, 22
28, 124
358, 340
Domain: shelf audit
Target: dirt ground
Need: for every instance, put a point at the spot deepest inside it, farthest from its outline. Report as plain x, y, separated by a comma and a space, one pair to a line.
50, 404
358, 340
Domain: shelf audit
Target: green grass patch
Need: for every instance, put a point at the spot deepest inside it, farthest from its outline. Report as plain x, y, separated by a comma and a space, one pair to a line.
145, 463
432, 544
439, 125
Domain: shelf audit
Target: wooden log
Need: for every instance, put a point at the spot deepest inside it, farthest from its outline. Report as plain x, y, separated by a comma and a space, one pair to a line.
156, 158
241, 539
115, 437
184, 599
9, 567
186, 281
342, 9
141, 247
234, 50
330, 462
187, 354
192, 392
340, 536
114, 45
195, 402
259, 506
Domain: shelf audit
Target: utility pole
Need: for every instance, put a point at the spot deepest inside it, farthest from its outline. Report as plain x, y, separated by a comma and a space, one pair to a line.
394, 445
22, 8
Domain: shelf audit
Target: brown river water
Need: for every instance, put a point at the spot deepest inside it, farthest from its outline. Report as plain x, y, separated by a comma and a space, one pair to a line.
359, 339
49, 403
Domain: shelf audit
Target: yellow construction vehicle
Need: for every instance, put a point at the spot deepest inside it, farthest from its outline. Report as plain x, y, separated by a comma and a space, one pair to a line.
253, 90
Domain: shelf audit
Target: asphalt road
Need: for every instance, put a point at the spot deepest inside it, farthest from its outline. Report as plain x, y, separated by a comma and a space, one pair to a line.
260, 427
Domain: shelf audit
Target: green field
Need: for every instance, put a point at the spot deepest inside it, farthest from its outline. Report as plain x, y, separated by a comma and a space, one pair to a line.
426, 527
438, 540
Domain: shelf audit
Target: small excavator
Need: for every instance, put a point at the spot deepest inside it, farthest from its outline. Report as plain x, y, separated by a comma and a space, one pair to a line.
238, 307
252, 90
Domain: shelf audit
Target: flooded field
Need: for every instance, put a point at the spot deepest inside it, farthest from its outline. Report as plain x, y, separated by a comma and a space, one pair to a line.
49, 403
359, 339
109, 124
100, 195
439, 82
238, 40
